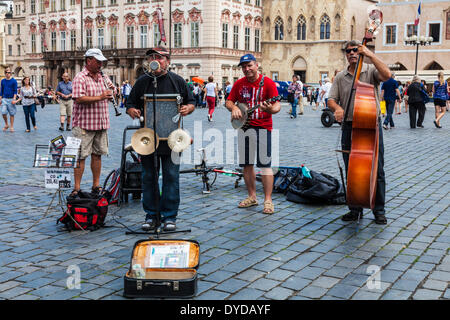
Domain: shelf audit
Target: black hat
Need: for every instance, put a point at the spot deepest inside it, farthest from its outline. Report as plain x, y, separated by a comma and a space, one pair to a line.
158, 50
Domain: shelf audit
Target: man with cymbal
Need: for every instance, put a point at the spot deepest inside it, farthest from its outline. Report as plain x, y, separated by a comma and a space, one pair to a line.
337, 100
167, 82
253, 90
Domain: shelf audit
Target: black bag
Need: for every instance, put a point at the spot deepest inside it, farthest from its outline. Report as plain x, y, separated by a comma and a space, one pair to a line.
321, 188
284, 178
291, 97
85, 211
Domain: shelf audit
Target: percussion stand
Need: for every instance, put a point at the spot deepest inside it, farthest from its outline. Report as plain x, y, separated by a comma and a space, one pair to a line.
157, 230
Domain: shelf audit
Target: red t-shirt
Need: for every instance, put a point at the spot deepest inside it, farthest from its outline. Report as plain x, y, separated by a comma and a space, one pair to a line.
245, 92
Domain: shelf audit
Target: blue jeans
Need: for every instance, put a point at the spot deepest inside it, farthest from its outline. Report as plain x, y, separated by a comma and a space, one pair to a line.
390, 104
29, 113
294, 107
169, 200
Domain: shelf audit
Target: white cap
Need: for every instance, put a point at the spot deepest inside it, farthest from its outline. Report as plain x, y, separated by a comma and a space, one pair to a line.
96, 53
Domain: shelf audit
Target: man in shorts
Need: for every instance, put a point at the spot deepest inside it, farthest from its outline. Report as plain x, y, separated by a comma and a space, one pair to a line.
8, 95
257, 140
64, 91
91, 116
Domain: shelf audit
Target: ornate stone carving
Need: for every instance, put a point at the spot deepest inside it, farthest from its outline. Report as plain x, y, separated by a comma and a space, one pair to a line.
178, 16
195, 15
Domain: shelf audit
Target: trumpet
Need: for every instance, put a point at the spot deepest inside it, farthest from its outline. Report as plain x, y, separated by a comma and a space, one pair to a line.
113, 100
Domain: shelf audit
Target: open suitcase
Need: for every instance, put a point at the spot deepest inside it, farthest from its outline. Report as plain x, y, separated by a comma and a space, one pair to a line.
163, 269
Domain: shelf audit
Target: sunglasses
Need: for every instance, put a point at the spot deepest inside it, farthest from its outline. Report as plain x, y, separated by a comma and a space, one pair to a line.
350, 50
8, 72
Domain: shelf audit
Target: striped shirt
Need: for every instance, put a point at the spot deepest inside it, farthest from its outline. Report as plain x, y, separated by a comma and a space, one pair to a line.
93, 116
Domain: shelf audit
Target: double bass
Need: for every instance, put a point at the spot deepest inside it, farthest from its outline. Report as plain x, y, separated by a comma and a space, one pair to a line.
363, 158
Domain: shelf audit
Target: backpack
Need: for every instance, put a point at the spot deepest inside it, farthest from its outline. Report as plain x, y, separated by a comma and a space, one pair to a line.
318, 188
284, 178
85, 211
113, 189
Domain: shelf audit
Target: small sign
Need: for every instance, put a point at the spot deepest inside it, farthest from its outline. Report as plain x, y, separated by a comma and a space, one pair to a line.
58, 179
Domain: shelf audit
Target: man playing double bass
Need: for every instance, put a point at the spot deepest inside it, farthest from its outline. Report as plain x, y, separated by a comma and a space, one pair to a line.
337, 101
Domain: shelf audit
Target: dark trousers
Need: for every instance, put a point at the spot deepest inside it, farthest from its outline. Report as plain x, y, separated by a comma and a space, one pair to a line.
29, 113
414, 108
390, 104
169, 198
346, 142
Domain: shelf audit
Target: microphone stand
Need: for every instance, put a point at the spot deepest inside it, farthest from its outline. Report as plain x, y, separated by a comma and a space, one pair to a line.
157, 230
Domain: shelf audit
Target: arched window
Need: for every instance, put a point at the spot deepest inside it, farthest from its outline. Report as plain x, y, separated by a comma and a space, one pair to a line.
301, 28
279, 31
325, 27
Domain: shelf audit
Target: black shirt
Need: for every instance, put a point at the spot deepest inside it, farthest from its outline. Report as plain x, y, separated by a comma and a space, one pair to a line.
166, 84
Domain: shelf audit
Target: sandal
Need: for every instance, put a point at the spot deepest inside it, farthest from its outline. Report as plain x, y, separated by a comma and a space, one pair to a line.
97, 189
5, 128
248, 202
268, 207
74, 193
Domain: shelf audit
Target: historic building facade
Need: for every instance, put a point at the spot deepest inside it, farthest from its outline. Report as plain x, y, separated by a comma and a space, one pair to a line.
399, 24
207, 37
306, 37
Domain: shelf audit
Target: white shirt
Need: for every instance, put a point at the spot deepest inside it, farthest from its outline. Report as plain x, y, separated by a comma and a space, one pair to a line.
326, 88
301, 87
210, 89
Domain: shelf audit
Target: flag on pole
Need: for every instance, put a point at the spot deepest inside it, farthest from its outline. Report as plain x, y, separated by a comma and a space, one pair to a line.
419, 9
161, 25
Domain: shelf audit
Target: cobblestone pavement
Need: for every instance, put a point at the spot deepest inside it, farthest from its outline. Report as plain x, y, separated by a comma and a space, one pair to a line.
300, 252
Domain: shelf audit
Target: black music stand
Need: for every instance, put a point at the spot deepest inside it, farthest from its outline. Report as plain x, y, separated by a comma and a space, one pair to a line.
157, 231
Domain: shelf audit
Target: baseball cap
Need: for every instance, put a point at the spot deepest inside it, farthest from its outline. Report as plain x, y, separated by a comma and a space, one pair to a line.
246, 58
96, 53
158, 50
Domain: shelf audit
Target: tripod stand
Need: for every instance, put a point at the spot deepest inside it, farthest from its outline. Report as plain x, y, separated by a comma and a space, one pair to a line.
157, 231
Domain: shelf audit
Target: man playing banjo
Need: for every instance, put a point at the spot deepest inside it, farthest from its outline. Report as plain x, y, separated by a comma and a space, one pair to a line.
254, 89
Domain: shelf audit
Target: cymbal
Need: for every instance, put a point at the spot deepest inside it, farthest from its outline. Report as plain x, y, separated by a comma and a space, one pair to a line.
179, 140
238, 123
143, 141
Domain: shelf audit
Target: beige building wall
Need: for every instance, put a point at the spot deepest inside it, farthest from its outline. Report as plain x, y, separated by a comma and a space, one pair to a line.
401, 57
3, 10
313, 58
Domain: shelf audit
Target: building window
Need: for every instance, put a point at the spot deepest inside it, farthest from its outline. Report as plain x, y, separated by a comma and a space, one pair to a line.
114, 37
258, 3
194, 34
10, 50
62, 5
88, 38
257, 40
391, 34
18, 29
325, 27
33, 43
144, 36
411, 30
63, 41
33, 6
53, 40
52, 5
9, 29
100, 3
247, 39
225, 35
88, 3
301, 28
236, 37
73, 40
113, 2
43, 43
279, 34
178, 35
101, 38
130, 37
72, 3
434, 30
274, 76
18, 49
41, 6
43, 84
156, 35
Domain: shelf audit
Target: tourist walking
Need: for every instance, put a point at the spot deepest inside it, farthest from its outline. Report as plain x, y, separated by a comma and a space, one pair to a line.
440, 96
210, 96
8, 95
28, 95
416, 103
64, 91
390, 93
295, 91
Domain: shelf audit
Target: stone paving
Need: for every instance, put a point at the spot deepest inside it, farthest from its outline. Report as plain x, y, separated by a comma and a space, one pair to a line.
300, 252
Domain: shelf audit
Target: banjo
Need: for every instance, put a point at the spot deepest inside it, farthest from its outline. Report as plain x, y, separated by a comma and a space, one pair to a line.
244, 121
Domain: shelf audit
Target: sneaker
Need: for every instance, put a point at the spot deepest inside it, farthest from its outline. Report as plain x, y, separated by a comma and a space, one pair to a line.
352, 216
169, 225
385, 127
61, 129
209, 118
148, 225
68, 128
